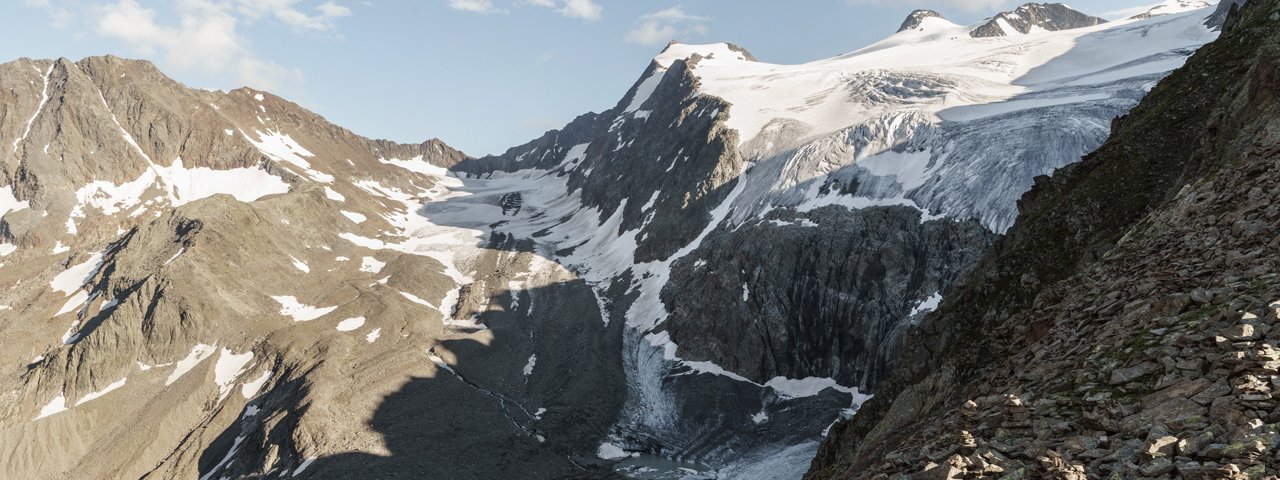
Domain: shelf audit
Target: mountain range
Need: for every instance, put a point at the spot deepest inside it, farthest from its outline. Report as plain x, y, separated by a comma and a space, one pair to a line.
708, 280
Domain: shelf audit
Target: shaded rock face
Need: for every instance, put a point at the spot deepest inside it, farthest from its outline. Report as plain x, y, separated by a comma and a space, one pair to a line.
1220, 16
1125, 326
1046, 16
916, 18
816, 294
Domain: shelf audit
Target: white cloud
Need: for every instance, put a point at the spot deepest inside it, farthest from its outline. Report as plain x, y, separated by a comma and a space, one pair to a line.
476, 6
990, 6
206, 37
658, 28
583, 9
287, 13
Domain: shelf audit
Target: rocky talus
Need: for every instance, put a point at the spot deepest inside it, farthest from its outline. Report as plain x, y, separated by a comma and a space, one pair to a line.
1127, 327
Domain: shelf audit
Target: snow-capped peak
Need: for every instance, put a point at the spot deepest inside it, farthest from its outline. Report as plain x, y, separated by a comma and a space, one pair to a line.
1034, 17
714, 51
917, 20
1170, 7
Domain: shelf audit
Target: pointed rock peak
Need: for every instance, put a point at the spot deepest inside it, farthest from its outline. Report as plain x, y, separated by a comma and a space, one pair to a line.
1034, 17
1170, 7
691, 53
917, 19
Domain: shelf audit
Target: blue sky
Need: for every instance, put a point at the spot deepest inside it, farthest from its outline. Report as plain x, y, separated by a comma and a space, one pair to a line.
482, 75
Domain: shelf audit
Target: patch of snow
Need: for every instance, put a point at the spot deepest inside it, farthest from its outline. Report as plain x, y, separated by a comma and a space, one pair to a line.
334, 195
371, 265
353, 216
290, 307
609, 451
350, 324
928, 305
228, 368
283, 148
100, 393
77, 276
305, 463
528, 367
251, 388
373, 335
299, 265
55, 406
198, 354
417, 165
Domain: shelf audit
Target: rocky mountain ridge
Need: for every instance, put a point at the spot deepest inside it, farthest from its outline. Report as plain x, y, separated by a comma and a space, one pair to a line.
267, 294
1123, 328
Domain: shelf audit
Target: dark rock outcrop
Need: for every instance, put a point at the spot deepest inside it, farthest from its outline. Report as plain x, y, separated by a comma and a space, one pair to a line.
814, 295
917, 18
1047, 16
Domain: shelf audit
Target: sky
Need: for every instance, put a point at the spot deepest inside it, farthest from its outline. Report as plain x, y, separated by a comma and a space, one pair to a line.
482, 75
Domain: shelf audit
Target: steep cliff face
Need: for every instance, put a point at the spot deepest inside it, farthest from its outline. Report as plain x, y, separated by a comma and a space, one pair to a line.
1146, 273
816, 294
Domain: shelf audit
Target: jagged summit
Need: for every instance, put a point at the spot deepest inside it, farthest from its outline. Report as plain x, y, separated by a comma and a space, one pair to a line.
718, 51
1035, 16
917, 19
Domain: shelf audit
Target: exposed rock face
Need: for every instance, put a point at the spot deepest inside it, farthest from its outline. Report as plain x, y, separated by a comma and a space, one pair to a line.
1025, 19
815, 294
1220, 16
1124, 327
916, 18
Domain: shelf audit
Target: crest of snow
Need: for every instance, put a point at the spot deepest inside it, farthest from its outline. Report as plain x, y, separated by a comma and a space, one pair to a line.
415, 299
528, 366
305, 463
75, 277
197, 355
72, 304
417, 165
333, 195
371, 265
100, 393
721, 52
353, 216
928, 305
251, 388
179, 184
609, 451
282, 147
175, 256
229, 367
57, 405
290, 307
350, 324
299, 265
1170, 7
373, 335
10, 203
652, 200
